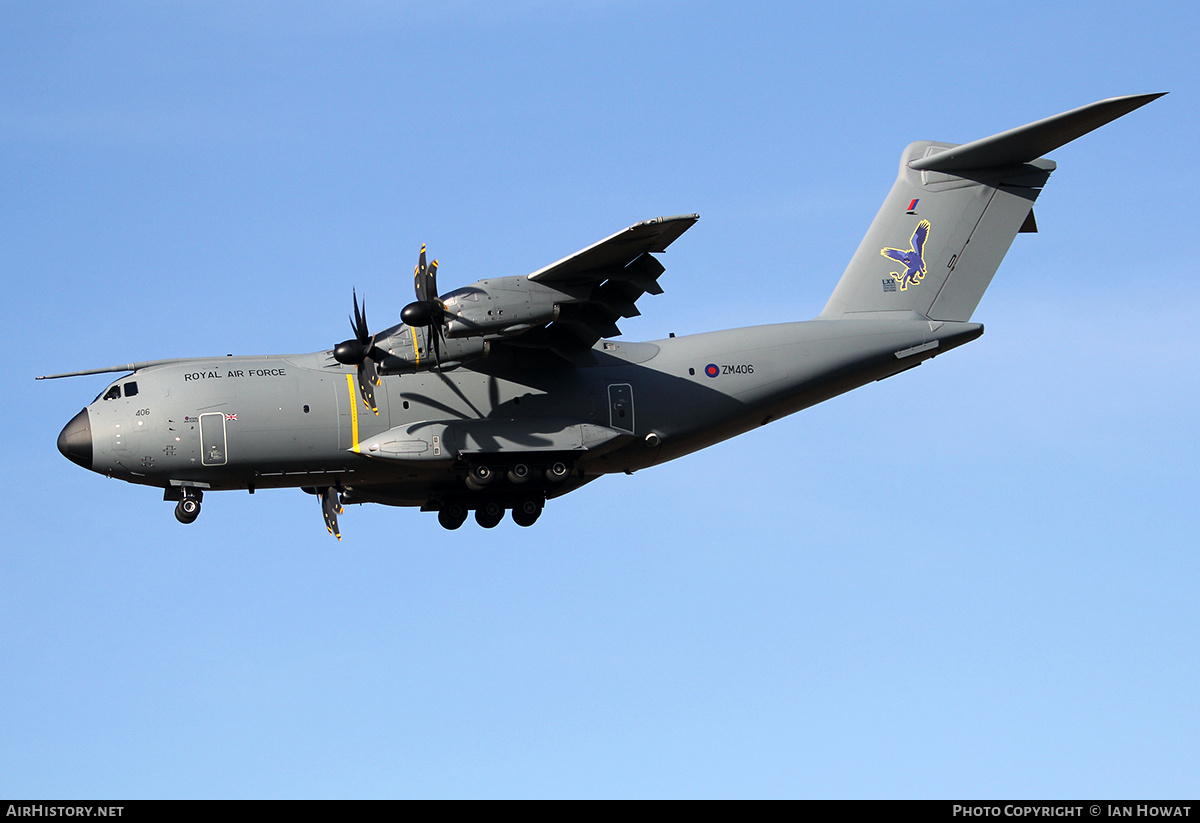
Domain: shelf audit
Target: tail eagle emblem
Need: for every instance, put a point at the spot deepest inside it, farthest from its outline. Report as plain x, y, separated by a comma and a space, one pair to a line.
912, 258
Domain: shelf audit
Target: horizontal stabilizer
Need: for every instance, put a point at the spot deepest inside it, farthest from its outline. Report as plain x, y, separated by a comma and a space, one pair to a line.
1026, 143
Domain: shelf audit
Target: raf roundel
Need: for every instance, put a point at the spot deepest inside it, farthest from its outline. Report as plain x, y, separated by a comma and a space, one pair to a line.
712, 370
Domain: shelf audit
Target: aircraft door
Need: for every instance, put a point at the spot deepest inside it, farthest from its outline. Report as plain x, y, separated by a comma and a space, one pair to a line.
212, 439
620, 407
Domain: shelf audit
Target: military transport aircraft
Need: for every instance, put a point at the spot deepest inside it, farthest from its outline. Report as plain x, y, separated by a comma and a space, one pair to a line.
511, 391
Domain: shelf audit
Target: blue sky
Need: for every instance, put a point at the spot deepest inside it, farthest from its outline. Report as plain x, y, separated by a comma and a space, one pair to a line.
975, 580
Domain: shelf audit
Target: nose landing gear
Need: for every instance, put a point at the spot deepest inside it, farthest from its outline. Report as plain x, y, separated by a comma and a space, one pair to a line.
188, 507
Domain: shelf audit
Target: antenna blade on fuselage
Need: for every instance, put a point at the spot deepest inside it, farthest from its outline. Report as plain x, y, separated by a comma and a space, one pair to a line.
144, 364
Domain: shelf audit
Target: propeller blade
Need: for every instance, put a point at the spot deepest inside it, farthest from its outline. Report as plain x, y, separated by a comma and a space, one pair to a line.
368, 378
361, 352
427, 311
359, 323
420, 281
372, 369
351, 352
331, 507
425, 279
432, 333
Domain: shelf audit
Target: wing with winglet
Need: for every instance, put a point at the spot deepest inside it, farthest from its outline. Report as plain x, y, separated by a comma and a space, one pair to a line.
568, 305
607, 278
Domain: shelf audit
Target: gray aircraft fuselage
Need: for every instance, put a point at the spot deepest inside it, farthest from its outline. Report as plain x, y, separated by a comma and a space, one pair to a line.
296, 420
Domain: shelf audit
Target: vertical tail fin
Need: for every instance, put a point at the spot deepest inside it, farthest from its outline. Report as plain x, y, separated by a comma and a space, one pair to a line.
952, 214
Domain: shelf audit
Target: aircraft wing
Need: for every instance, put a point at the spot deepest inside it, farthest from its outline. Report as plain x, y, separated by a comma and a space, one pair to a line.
600, 260
611, 275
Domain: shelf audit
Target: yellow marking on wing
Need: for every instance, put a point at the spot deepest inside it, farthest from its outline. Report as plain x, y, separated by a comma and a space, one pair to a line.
353, 412
416, 351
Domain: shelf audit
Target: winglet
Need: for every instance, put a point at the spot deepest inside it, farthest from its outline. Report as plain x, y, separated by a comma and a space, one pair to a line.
1029, 142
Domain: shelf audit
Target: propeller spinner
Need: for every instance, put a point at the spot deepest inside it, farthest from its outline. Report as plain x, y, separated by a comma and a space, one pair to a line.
361, 352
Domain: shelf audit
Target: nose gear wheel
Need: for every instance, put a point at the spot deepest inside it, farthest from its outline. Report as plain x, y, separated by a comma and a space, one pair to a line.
187, 510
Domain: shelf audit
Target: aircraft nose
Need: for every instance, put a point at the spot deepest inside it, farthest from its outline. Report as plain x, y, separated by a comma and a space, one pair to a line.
75, 440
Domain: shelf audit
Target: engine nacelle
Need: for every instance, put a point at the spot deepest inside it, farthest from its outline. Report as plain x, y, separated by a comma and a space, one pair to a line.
405, 356
500, 306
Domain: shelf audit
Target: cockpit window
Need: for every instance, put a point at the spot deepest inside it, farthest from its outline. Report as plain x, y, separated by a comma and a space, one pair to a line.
113, 393
130, 389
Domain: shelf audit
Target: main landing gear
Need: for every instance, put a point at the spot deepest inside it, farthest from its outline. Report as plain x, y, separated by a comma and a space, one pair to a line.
452, 515
527, 512
490, 511
491, 489
489, 514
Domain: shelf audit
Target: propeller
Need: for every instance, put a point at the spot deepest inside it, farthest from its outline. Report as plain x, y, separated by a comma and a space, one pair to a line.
331, 507
360, 351
427, 311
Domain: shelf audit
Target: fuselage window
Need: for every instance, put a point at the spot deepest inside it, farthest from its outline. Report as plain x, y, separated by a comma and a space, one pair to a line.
130, 389
113, 393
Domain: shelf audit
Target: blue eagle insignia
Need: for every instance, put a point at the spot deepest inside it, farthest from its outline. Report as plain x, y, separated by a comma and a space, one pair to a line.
913, 258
